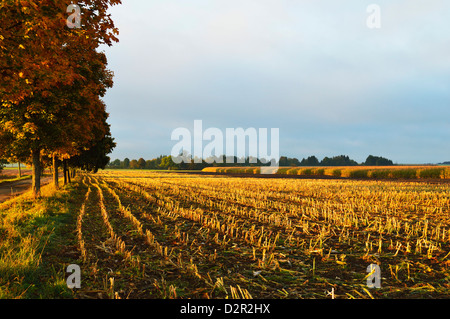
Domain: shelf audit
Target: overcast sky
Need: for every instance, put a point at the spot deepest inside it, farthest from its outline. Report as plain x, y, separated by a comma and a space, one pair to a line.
313, 69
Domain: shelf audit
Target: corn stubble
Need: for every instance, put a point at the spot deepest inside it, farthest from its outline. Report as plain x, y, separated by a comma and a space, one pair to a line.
220, 237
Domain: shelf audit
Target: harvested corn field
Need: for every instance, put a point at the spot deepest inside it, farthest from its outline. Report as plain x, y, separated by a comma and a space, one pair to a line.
187, 236
155, 235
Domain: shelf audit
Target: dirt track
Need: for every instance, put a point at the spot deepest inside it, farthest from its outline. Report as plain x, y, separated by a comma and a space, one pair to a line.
15, 172
12, 189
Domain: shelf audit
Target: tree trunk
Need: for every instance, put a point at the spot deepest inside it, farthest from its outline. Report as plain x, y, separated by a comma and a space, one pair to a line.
36, 174
69, 172
65, 171
20, 171
55, 172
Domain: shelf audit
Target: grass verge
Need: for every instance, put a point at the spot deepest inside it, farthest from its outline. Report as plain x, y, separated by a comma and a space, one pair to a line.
37, 243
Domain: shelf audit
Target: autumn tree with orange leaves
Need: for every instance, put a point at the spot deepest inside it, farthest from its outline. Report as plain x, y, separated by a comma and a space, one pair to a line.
52, 79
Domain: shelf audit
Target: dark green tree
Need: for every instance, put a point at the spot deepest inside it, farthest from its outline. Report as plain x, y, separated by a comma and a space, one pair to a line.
96, 157
126, 163
310, 161
341, 160
377, 161
141, 163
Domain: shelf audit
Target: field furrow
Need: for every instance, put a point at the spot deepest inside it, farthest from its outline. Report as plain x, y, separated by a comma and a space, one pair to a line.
186, 236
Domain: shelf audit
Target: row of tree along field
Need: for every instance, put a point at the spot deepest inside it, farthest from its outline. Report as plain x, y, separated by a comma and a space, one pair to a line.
52, 80
166, 162
373, 172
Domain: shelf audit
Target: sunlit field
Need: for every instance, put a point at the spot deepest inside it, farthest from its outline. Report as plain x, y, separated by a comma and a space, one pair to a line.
401, 172
143, 234
221, 237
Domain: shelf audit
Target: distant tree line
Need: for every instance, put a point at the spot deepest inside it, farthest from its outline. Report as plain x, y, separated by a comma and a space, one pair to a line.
340, 160
166, 162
